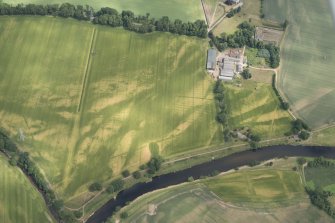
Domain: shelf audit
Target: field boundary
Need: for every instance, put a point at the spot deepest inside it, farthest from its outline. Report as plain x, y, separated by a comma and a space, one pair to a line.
87, 69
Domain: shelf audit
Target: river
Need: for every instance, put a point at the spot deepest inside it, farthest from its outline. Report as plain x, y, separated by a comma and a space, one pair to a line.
223, 164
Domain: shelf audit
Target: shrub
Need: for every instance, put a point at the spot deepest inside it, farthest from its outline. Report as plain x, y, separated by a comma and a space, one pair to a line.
304, 135
124, 215
117, 184
78, 214
125, 173
96, 186
246, 74
137, 174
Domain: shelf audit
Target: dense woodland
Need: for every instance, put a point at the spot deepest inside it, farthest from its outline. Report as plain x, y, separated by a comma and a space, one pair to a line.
110, 17
244, 36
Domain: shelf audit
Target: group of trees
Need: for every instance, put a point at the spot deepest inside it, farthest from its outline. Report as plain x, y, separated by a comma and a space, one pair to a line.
301, 129
110, 17
221, 116
23, 161
146, 24
283, 104
319, 198
233, 12
245, 36
320, 162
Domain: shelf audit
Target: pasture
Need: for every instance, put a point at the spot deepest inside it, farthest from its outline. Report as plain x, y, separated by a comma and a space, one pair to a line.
185, 10
323, 177
308, 61
280, 191
91, 99
255, 105
258, 187
250, 11
19, 200
323, 137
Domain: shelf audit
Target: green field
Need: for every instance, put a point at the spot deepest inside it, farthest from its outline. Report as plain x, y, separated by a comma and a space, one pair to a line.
91, 99
250, 12
256, 106
323, 177
186, 10
323, 137
19, 200
263, 195
308, 61
258, 187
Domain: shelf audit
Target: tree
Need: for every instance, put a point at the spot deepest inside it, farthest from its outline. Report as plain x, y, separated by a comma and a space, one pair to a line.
78, 214
96, 186
155, 164
246, 74
301, 161
137, 175
117, 184
255, 137
124, 215
125, 173
304, 135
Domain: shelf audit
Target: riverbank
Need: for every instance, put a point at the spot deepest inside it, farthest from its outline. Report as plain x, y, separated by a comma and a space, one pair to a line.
223, 164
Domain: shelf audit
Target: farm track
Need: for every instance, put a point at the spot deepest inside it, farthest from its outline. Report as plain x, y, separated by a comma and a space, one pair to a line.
87, 71
75, 133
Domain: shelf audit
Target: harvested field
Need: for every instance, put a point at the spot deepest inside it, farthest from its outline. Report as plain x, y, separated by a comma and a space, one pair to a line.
308, 62
140, 89
268, 35
247, 102
175, 9
19, 200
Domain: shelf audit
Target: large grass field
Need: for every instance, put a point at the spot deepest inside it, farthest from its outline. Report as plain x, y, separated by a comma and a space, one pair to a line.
258, 187
263, 195
186, 10
19, 200
256, 106
90, 100
323, 177
308, 60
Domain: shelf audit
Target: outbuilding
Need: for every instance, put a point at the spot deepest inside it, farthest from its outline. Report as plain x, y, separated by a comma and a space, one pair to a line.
211, 59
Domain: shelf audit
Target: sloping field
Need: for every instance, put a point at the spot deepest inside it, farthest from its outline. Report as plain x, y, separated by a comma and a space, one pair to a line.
133, 90
256, 106
196, 202
308, 60
19, 201
186, 10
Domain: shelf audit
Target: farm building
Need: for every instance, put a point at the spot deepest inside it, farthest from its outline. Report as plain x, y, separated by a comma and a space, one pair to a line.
211, 59
233, 2
232, 63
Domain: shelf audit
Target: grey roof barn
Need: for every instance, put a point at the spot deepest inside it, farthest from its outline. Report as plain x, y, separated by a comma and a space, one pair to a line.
211, 59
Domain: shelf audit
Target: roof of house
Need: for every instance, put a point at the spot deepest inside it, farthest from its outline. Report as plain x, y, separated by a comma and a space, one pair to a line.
226, 78
211, 59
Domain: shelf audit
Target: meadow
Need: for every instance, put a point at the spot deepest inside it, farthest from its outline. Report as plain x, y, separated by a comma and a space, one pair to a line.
308, 62
250, 11
19, 200
255, 105
90, 100
258, 187
185, 10
243, 196
323, 177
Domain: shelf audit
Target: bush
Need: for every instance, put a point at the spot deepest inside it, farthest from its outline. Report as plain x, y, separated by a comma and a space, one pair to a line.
110, 189
124, 215
263, 53
246, 74
117, 184
78, 214
301, 161
155, 164
143, 166
304, 135
190, 179
96, 186
137, 175
125, 173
